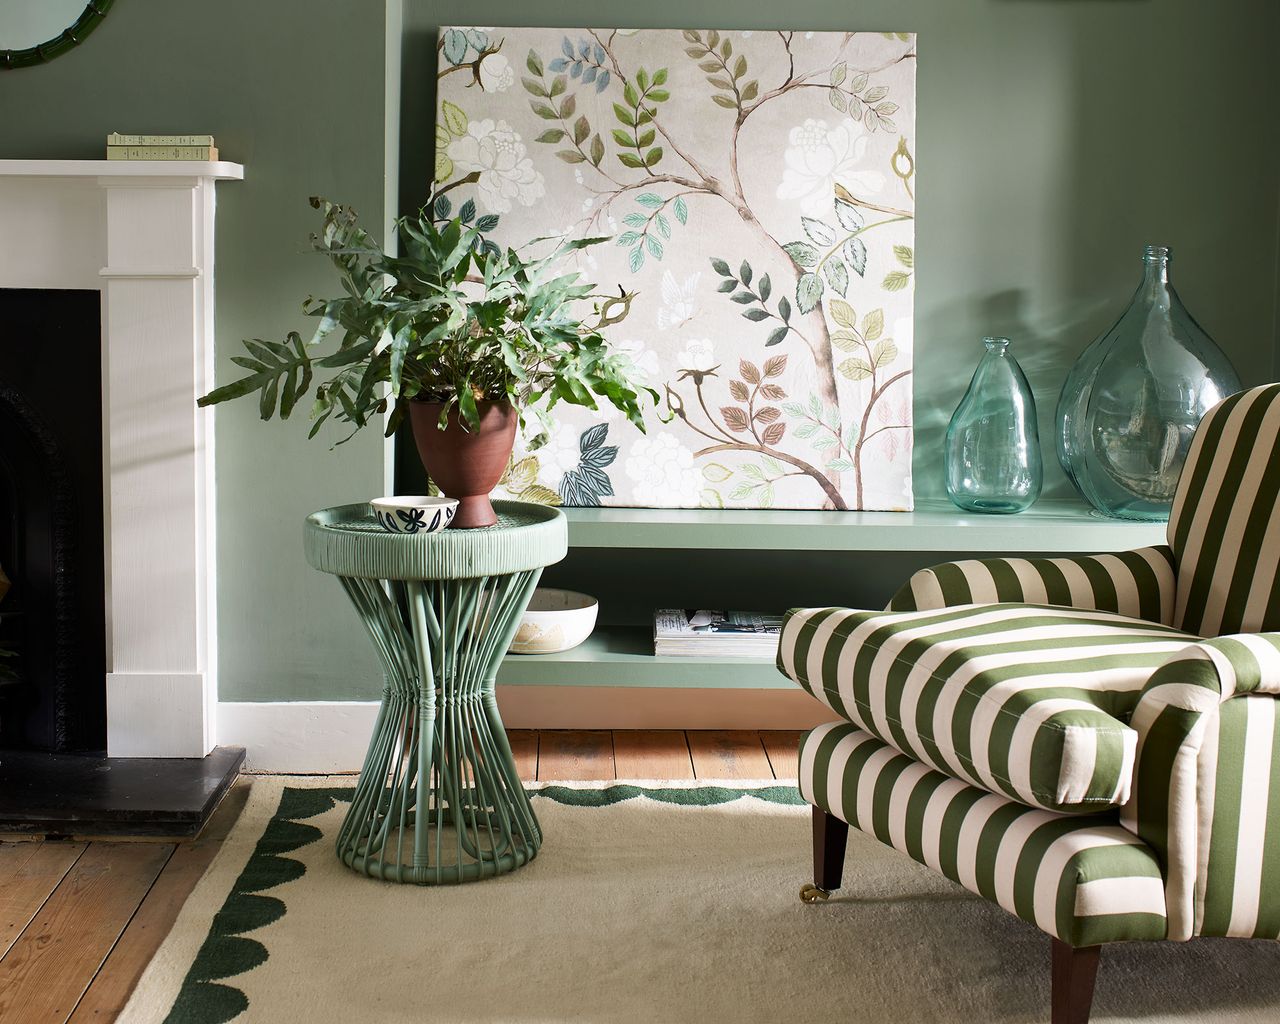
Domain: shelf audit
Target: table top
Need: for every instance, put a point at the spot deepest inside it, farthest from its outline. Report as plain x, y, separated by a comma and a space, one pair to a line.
347, 541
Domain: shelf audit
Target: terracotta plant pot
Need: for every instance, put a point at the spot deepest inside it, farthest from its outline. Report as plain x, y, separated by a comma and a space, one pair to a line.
466, 465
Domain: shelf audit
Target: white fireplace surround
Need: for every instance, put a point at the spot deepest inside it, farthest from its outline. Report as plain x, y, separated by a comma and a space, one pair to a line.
142, 234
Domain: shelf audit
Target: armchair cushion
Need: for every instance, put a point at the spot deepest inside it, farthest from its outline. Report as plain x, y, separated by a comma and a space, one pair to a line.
1082, 880
1026, 701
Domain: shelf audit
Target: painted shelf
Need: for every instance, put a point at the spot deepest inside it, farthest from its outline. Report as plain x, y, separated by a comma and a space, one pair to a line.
623, 656
221, 170
1061, 526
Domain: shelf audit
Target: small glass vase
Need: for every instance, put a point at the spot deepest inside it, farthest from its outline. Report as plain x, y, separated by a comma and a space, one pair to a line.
993, 445
1133, 399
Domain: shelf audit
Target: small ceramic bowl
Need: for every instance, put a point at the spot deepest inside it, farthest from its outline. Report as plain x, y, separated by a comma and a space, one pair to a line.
555, 621
414, 513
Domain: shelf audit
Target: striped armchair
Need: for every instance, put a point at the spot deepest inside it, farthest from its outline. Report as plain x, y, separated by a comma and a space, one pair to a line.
1087, 742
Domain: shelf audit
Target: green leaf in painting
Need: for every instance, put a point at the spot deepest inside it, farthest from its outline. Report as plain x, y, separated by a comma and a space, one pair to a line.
873, 324
597, 149
721, 267
906, 255
817, 231
837, 275
765, 287
845, 341
681, 210
784, 308
551, 135
636, 259
884, 353
649, 199
842, 313
454, 46
836, 98
755, 315
848, 215
808, 292
855, 254
721, 100
777, 335
655, 247
895, 280
454, 118
802, 253
716, 473
854, 369
534, 63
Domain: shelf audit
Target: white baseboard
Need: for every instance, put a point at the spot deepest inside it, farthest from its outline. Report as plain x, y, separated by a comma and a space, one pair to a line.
321, 737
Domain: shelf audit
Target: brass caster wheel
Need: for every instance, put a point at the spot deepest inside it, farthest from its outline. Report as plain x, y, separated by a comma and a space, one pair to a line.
810, 893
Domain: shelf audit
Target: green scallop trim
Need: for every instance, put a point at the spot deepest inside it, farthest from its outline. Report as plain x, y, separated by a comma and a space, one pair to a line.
205, 998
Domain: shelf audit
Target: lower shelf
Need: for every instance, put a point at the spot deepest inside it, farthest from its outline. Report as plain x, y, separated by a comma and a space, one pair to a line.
623, 656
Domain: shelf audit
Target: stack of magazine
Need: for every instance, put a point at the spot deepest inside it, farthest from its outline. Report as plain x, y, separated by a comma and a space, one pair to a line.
699, 633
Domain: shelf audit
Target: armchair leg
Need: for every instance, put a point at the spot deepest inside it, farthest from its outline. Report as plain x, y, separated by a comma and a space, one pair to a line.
1074, 972
829, 837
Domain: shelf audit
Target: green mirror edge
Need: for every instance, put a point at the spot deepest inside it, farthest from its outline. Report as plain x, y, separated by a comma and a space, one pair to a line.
42, 53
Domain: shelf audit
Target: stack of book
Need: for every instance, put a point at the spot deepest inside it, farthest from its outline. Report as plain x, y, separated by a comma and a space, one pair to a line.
698, 633
161, 147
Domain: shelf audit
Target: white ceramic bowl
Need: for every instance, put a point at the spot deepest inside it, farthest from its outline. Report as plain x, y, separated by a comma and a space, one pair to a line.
414, 513
555, 621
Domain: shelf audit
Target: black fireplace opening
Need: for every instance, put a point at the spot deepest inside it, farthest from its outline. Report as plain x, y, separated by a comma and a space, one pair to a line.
52, 615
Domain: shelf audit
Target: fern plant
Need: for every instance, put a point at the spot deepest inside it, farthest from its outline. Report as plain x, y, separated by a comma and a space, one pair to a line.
455, 319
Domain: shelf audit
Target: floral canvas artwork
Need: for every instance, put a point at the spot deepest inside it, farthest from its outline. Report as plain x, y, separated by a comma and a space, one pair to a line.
758, 193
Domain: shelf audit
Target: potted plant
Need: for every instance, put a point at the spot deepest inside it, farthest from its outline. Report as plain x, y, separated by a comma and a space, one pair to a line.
464, 337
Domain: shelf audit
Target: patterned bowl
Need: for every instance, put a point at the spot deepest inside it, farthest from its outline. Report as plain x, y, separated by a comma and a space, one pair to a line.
414, 513
555, 621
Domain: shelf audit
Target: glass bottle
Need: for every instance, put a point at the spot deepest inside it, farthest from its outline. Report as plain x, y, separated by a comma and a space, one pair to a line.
993, 445
1132, 401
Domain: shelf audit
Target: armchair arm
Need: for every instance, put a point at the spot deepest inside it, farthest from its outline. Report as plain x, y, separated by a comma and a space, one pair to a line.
1206, 782
1136, 583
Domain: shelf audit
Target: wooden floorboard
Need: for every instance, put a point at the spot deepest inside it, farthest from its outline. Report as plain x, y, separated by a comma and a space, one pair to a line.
575, 755
728, 755
29, 873
524, 748
783, 749
651, 755
44, 973
115, 981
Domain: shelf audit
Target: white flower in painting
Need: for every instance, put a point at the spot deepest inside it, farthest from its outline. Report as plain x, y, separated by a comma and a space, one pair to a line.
678, 305
642, 357
559, 455
496, 73
817, 157
698, 354
663, 473
493, 151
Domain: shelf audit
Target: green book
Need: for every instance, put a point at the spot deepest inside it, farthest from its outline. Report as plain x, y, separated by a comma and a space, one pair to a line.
116, 139
162, 153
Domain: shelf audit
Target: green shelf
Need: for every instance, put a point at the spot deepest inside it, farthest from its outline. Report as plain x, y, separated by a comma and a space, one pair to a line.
623, 656
1056, 525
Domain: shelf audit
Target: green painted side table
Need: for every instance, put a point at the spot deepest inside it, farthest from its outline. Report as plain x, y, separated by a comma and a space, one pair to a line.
438, 800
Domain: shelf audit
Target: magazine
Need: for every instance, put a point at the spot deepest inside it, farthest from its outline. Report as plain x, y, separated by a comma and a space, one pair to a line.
698, 632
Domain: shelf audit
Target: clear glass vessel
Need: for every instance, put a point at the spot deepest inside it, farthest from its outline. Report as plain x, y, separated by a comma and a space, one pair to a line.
992, 454
1133, 399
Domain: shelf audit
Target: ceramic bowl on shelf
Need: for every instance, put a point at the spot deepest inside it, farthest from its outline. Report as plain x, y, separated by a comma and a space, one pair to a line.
555, 621
414, 513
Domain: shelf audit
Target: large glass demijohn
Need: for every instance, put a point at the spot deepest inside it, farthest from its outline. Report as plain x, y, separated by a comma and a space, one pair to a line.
992, 451
1133, 399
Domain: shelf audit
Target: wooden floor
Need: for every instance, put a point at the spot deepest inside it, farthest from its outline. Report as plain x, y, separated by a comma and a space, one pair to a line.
79, 921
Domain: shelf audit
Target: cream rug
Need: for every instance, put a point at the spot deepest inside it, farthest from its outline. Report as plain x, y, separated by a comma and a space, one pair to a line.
649, 902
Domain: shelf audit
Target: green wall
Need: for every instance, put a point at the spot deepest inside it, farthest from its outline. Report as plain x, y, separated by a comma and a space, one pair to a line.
1055, 138
295, 91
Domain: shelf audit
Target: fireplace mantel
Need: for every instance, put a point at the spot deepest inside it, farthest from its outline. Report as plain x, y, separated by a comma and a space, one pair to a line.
142, 234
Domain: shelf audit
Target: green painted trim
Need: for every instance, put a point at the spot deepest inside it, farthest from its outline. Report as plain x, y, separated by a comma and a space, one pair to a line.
205, 996
623, 656
42, 53
1048, 527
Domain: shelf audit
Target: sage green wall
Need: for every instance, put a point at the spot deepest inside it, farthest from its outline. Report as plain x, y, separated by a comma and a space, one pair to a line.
1055, 138
295, 91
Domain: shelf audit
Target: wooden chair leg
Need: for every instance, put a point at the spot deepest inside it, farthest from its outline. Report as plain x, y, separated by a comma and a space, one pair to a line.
1074, 972
829, 837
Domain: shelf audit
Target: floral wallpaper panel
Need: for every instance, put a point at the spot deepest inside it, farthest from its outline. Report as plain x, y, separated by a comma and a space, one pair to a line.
758, 189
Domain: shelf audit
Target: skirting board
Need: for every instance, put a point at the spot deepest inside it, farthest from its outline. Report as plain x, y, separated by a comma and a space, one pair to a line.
321, 737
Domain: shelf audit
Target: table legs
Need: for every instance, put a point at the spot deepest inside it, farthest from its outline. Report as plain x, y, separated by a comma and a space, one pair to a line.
439, 800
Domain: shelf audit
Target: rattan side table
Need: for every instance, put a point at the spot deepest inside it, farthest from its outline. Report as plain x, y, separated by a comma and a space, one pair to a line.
438, 800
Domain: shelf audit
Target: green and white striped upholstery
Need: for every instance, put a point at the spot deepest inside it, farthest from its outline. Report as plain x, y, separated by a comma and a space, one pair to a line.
1027, 701
1139, 583
1207, 785
1082, 880
1225, 525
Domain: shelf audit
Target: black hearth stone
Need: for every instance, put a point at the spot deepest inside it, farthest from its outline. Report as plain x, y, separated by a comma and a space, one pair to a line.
84, 795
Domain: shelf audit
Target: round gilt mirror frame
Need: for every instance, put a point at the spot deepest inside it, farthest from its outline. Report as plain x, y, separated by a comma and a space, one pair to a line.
42, 53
